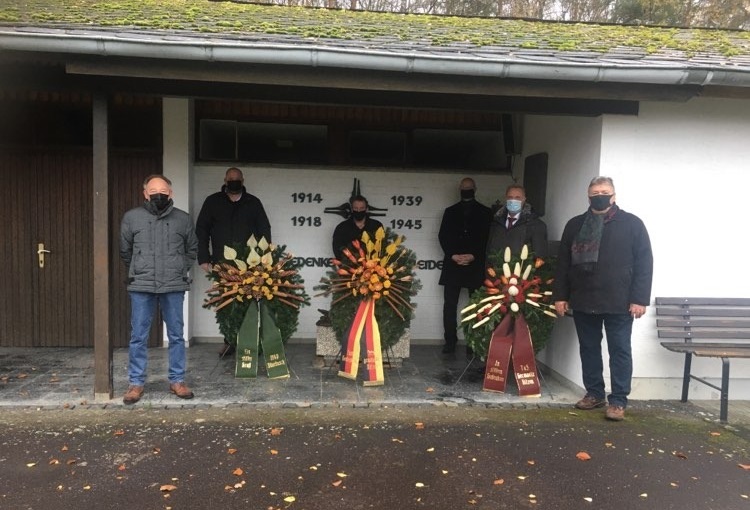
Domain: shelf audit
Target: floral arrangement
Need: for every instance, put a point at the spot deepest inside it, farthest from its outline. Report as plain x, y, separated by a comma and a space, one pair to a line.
258, 271
516, 285
381, 269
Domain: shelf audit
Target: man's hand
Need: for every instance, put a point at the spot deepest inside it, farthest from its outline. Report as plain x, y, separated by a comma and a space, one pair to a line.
206, 267
561, 307
637, 311
463, 259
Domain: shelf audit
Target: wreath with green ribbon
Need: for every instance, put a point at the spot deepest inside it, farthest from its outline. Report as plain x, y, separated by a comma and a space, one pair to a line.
256, 271
519, 284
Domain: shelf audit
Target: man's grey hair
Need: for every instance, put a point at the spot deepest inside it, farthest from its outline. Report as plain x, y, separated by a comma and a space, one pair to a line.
602, 180
156, 176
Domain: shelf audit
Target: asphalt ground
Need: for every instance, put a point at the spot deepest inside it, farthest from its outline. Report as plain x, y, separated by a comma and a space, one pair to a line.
388, 457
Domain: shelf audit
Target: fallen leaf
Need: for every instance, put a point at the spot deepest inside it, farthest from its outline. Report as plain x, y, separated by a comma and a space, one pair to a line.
419, 425
644, 495
419, 485
588, 499
119, 432
238, 472
238, 485
274, 452
572, 413
31, 464
430, 449
290, 499
530, 462
86, 487
715, 433
228, 487
341, 475
673, 484
444, 471
313, 468
499, 481
156, 450
336, 483
744, 466
583, 456
275, 431
430, 390
396, 440
121, 467
22, 376
64, 448
532, 496
680, 455
167, 488
521, 477
70, 462
232, 451
53, 462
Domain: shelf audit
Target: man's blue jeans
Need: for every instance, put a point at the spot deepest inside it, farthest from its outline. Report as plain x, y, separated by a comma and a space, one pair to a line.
142, 310
618, 328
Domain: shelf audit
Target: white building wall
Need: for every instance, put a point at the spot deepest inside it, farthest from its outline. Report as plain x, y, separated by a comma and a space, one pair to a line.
294, 224
683, 169
573, 145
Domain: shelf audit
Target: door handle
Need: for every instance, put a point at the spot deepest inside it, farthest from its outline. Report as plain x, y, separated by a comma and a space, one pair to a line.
40, 251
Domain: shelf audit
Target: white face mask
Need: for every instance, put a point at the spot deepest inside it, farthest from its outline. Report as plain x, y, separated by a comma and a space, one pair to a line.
513, 206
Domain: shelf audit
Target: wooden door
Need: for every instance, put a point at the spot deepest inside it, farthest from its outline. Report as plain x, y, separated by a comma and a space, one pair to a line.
45, 204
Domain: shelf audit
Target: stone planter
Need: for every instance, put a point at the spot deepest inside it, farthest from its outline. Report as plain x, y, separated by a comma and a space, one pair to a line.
328, 347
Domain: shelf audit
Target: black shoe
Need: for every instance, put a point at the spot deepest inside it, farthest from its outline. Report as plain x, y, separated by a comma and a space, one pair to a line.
227, 350
449, 349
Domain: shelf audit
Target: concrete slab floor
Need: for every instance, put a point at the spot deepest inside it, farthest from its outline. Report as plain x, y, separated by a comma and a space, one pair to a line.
64, 377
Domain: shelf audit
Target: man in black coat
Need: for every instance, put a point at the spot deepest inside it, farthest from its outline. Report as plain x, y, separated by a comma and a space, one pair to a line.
604, 272
463, 237
228, 217
515, 224
351, 228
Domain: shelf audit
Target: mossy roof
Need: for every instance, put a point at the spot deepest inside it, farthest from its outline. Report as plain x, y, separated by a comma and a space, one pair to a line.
485, 38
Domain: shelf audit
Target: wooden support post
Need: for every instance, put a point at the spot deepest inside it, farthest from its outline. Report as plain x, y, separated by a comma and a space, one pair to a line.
103, 381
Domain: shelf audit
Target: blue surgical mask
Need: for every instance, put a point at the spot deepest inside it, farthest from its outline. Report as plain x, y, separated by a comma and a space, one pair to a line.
513, 206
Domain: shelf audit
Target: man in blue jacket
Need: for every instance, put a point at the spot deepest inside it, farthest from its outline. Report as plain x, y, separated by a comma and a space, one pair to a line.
604, 271
158, 245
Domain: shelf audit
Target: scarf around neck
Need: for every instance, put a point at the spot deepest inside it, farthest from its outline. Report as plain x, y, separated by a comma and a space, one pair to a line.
585, 248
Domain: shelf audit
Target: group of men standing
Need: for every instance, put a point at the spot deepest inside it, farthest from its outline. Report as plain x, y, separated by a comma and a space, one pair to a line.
603, 275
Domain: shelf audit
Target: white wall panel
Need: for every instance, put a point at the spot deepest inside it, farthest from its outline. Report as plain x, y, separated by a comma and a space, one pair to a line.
275, 185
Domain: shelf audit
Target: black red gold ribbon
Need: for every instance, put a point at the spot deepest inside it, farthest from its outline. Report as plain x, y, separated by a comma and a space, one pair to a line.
363, 330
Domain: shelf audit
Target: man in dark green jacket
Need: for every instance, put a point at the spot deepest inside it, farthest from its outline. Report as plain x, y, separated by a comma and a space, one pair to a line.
603, 274
159, 246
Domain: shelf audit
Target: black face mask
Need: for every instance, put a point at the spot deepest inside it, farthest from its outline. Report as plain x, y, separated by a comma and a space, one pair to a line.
359, 215
600, 202
160, 201
467, 194
234, 186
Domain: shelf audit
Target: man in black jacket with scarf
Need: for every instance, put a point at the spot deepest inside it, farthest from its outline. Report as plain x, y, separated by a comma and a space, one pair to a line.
463, 237
604, 271
228, 217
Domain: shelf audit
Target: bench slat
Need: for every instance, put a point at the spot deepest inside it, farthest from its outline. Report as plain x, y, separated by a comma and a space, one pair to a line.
702, 311
701, 322
706, 334
712, 350
703, 301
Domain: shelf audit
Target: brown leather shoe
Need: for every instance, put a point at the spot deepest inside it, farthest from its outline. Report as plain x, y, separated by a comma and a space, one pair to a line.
133, 394
181, 390
590, 402
615, 413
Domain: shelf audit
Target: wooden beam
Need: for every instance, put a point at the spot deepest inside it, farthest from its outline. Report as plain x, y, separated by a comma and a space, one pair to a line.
103, 380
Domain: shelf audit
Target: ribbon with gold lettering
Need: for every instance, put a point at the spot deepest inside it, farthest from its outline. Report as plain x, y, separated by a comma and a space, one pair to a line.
363, 330
259, 329
511, 339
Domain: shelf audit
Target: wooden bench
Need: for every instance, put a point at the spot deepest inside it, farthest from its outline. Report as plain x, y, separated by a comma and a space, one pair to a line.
710, 327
